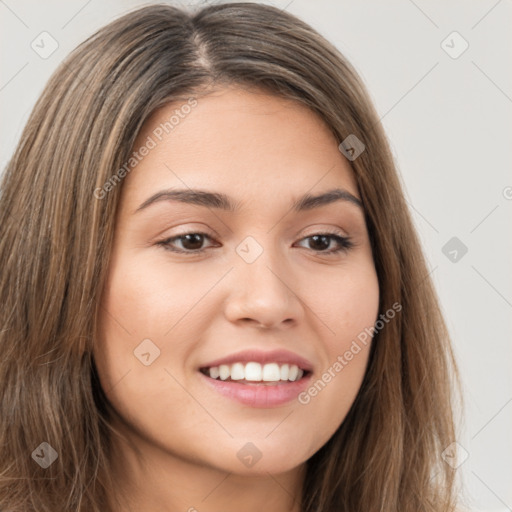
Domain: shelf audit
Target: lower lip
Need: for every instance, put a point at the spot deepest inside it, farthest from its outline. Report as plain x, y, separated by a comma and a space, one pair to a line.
259, 395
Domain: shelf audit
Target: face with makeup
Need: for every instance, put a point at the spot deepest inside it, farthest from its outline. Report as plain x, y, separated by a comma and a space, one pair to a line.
241, 271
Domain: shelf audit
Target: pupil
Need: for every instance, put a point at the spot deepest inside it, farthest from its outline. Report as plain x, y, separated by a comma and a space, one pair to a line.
198, 239
316, 238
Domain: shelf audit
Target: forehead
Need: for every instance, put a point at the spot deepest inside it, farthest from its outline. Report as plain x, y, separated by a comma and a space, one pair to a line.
249, 144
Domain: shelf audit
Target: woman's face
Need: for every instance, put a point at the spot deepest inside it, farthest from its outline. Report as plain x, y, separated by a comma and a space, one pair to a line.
201, 335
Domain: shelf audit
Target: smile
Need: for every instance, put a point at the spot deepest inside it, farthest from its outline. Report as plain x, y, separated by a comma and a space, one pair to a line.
258, 378
253, 372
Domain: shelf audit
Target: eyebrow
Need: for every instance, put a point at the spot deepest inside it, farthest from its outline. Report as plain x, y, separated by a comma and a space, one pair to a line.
221, 201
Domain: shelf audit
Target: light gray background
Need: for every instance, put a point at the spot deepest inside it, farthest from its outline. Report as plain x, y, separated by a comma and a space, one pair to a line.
449, 123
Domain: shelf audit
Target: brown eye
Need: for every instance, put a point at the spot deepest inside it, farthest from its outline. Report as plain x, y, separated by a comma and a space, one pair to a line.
321, 242
192, 243
189, 242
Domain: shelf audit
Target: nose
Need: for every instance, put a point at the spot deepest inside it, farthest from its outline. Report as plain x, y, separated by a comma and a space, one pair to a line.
264, 294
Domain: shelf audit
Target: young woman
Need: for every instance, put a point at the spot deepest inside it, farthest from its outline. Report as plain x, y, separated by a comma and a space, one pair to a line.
213, 295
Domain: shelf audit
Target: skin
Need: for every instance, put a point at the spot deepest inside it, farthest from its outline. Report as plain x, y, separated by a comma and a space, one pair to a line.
182, 438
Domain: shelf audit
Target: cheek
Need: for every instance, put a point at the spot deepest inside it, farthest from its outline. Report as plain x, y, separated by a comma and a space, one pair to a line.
151, 313
137, 361
349, 308
148, 298
137, 310
347, 301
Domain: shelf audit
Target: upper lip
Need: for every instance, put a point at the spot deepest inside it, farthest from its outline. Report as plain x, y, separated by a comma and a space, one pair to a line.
262, 357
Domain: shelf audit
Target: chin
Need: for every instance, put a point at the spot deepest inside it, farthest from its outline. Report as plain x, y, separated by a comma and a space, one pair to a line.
259, 458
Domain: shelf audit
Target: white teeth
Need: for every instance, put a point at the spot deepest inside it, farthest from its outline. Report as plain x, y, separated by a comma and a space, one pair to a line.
252, 371
237, 371
224, 371
271, 372
255, 372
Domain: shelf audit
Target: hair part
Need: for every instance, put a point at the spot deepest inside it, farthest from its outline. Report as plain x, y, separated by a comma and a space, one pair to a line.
56, 239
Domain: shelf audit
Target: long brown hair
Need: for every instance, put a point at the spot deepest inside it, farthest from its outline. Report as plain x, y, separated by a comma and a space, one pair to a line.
56, 238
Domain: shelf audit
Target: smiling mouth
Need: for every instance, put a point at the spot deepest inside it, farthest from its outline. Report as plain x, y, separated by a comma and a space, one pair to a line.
256, 373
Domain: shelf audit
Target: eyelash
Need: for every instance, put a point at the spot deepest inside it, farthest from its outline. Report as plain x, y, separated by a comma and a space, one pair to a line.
345, 243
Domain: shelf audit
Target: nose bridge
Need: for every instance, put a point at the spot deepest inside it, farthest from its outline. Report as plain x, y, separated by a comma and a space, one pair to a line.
262, 290
260, 262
